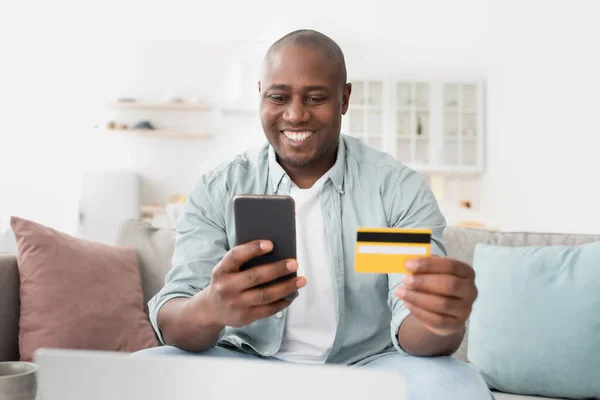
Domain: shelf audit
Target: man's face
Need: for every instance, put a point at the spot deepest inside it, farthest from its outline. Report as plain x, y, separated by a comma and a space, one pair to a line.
303, 99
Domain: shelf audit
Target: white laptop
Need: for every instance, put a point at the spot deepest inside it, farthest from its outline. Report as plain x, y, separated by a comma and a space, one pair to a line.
91, 375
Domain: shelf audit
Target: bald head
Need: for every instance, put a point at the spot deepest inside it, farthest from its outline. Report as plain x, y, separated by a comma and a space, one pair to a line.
308, 37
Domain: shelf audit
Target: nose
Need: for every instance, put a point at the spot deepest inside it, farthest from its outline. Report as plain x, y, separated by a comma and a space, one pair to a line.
296, 112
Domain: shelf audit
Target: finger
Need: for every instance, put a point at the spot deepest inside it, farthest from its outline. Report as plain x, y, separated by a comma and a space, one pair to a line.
272, 293
436, 321
440, 265
264, 274
268, 310
243, 253
443, 285
441, 305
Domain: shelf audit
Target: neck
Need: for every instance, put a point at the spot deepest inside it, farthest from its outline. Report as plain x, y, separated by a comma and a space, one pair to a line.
305, 177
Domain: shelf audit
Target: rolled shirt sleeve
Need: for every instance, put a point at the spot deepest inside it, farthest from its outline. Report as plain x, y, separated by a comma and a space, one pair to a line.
201, 243
412, 205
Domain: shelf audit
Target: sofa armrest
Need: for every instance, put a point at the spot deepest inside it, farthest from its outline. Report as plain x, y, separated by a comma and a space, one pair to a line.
9, 307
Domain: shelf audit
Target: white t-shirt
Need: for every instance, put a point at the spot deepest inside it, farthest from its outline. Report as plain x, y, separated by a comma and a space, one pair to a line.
310, 321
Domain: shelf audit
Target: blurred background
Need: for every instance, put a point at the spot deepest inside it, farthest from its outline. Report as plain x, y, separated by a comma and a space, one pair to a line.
111, 110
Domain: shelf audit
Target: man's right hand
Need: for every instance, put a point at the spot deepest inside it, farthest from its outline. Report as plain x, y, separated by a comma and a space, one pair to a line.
233, 295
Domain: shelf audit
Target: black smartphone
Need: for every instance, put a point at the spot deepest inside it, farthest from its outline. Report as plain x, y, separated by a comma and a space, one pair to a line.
267, 217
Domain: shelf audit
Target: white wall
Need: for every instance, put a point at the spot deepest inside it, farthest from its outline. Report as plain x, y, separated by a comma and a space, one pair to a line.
62, 67
65, 66
543, 129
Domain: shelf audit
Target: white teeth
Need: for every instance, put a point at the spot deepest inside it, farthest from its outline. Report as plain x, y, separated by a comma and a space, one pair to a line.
297, 136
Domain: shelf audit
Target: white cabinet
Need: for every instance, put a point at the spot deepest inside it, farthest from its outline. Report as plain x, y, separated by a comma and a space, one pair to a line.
365, 118
432, 125
462, 126
412, 122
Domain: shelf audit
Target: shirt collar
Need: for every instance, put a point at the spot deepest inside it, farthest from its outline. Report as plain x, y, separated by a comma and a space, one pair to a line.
275, 170
336, 174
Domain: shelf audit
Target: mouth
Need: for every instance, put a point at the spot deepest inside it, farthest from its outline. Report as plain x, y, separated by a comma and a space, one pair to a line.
297, 136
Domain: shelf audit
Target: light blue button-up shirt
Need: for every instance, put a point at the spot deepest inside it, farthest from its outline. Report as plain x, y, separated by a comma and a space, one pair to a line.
365, 188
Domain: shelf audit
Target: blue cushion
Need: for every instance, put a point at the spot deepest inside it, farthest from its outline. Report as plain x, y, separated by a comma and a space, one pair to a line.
535, 326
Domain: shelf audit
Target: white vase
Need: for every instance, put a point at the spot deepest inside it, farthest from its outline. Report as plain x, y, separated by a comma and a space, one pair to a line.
8, 243
174, 212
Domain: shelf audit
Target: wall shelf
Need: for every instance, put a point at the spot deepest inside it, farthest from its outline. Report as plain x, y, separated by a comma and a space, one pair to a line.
162, 133
153, 209
240, 109
123, 105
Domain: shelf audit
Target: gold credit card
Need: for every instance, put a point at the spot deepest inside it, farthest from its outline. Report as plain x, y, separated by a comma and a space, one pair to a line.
386, 250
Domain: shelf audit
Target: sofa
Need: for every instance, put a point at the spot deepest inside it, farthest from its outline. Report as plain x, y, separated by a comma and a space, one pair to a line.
154, 248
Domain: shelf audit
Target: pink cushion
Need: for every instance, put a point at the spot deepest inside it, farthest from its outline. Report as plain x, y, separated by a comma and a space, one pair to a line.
77, 294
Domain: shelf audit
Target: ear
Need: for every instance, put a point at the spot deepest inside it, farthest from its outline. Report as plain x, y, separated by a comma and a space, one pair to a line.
346, 97
259, 87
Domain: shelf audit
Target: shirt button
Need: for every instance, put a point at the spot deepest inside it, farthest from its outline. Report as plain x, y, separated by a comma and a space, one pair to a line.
285, 181
279, 314
267, 353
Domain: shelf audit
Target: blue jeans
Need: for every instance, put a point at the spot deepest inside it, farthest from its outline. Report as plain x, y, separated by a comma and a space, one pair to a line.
426, 377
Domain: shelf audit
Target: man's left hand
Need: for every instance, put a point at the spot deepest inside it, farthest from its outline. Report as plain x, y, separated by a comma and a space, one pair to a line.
440, 293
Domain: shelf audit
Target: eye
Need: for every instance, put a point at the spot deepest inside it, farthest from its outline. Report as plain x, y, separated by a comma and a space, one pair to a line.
316, 99
277, 98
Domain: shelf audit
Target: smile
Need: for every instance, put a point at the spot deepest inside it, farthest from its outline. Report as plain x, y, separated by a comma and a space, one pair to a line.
298, 136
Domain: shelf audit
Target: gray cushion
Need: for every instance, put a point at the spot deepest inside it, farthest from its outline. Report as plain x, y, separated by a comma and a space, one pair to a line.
9, 308
534, 327
154, 249
460, 244
507, 396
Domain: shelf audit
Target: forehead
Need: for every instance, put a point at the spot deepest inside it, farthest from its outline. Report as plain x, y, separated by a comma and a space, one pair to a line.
299, 65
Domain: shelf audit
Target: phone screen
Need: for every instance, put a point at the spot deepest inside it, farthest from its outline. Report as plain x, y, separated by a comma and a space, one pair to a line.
267, 217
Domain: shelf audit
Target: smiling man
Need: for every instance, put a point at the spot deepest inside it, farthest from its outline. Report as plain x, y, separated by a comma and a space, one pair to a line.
303, 96
408, 324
